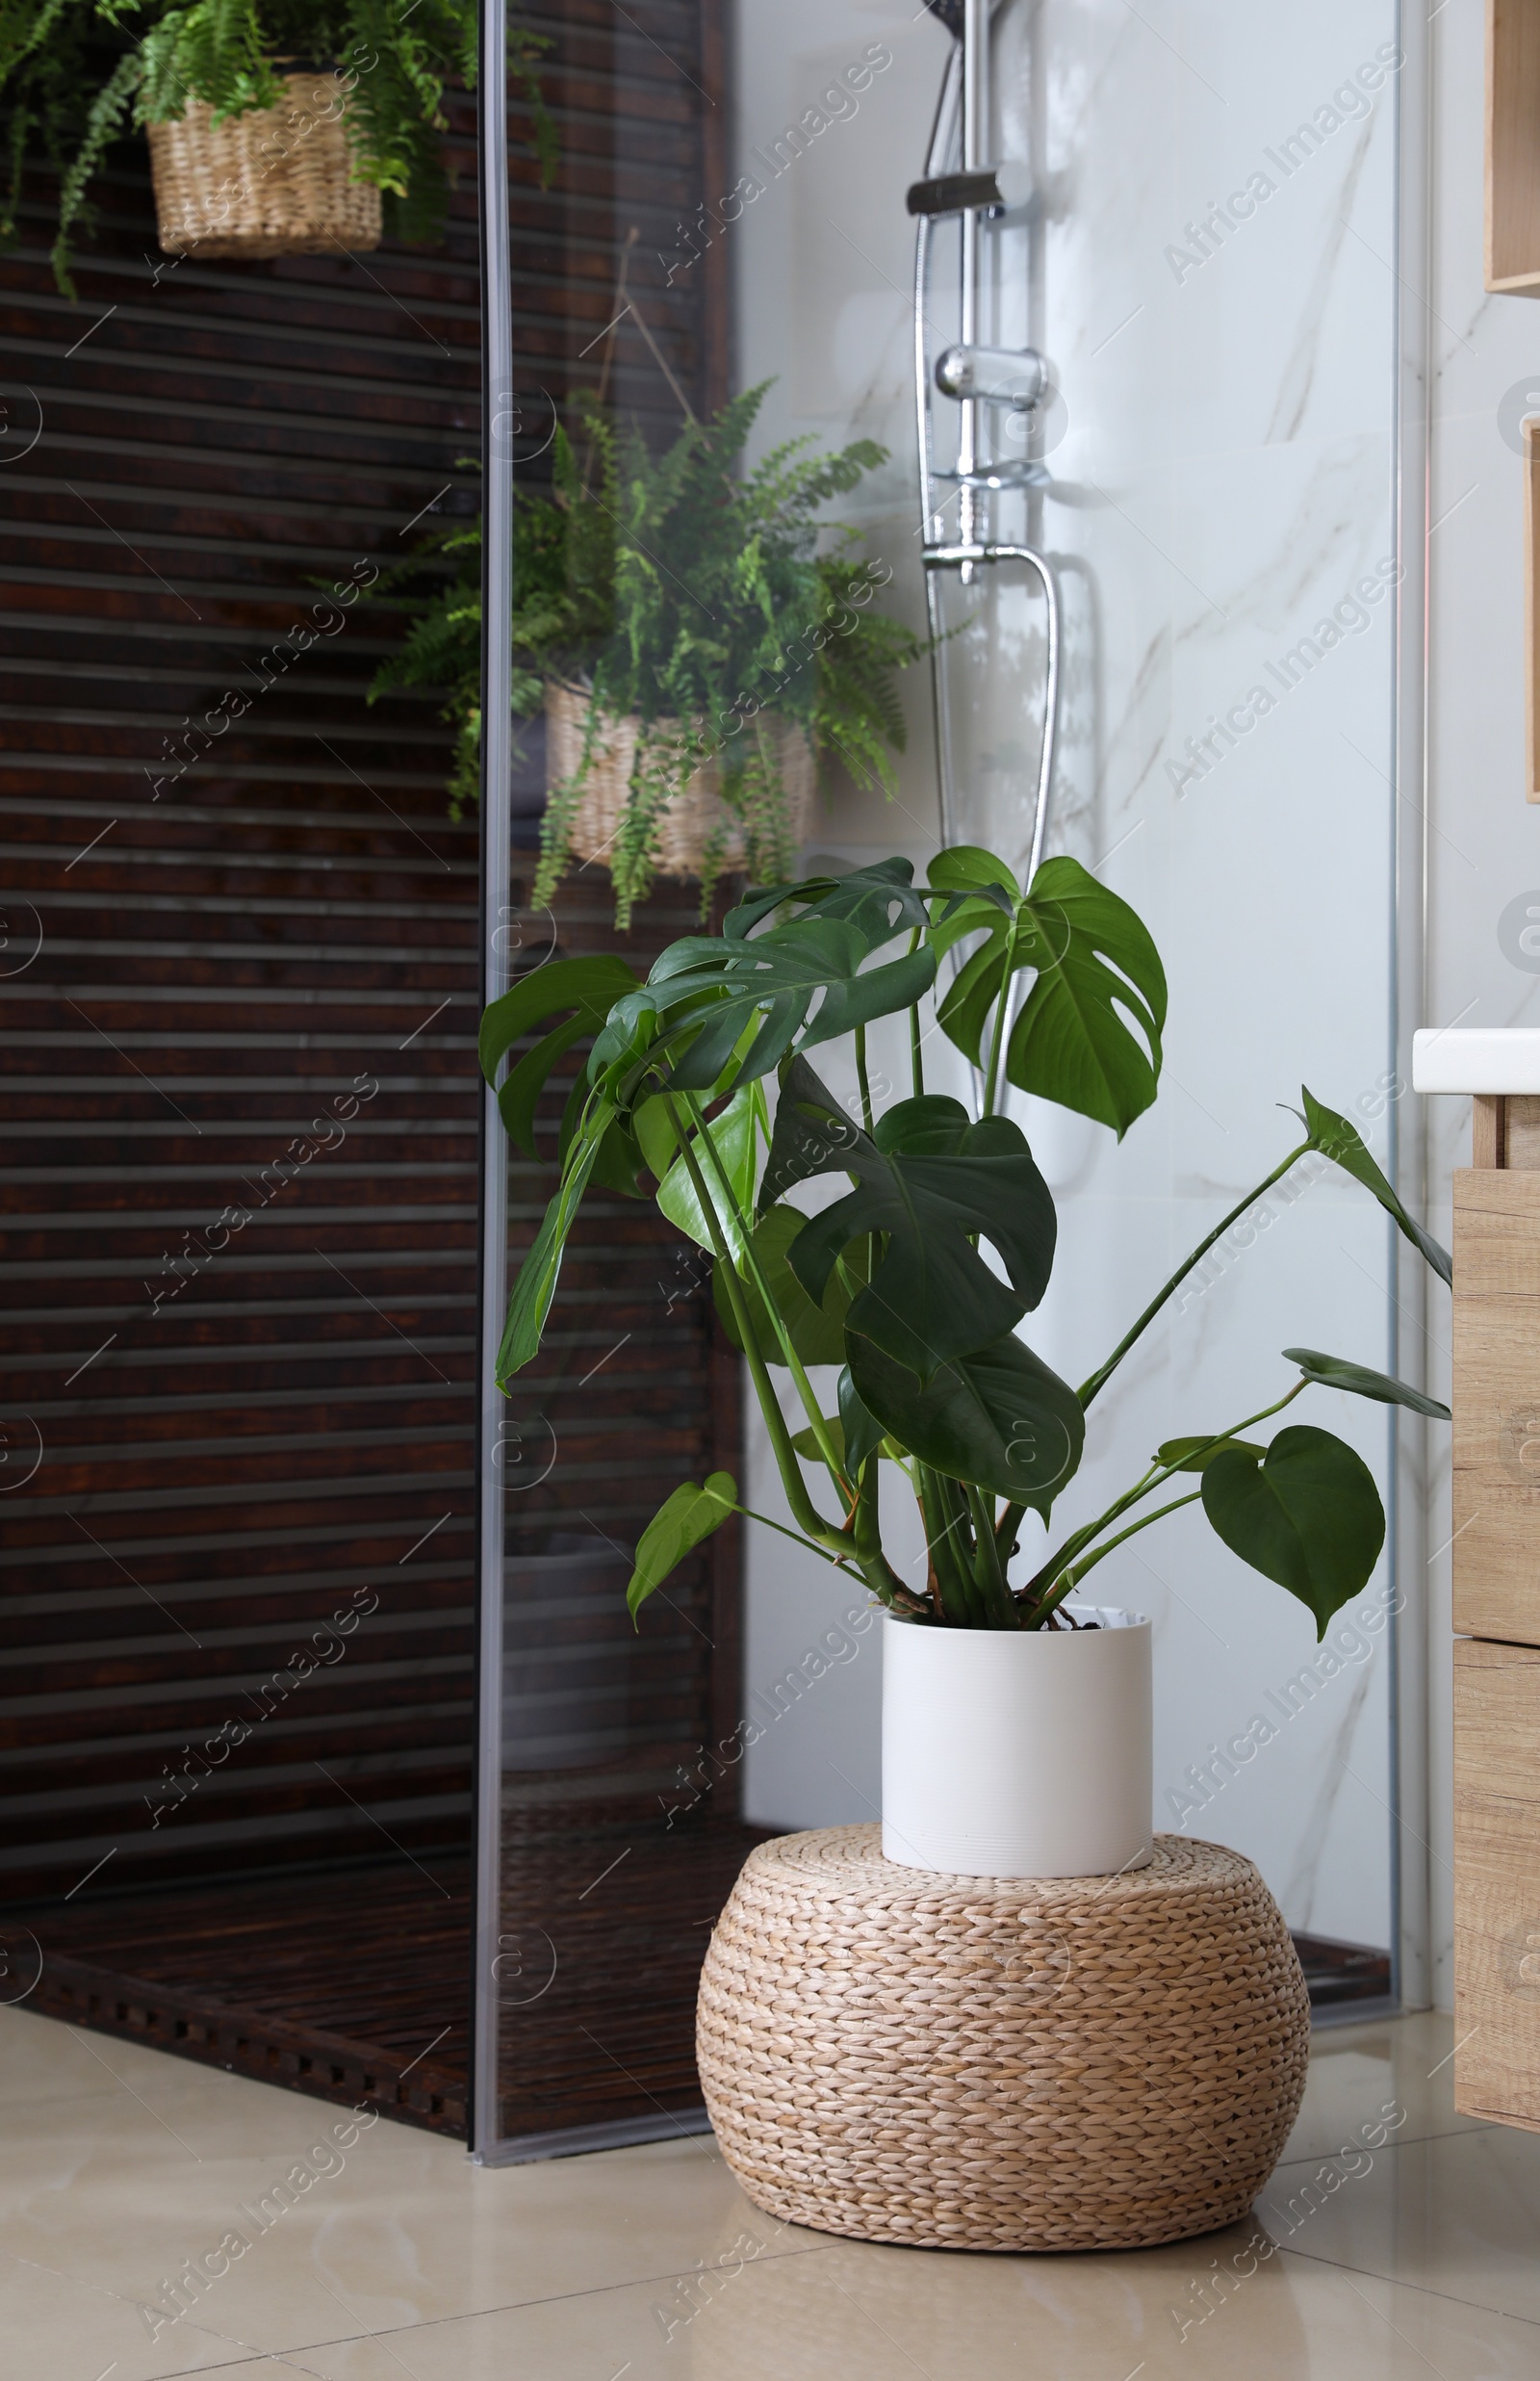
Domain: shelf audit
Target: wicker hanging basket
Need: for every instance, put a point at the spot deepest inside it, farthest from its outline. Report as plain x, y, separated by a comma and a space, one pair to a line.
273, 183
697, 813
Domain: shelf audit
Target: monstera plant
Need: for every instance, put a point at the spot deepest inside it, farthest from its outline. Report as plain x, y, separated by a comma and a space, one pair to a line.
700, 1090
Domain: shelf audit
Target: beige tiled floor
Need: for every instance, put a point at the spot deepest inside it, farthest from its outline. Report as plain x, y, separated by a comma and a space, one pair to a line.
399, 2258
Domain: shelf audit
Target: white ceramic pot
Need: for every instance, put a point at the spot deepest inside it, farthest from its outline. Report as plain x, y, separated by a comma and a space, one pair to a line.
1019, 1753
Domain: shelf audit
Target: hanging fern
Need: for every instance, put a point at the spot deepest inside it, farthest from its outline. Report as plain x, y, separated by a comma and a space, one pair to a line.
671, 588
76, 74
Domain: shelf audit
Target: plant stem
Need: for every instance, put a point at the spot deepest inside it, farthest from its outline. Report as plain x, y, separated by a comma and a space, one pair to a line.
867, 1532
1072, 1578
1067, 1556
804, 1511
1103, 1374
1079, 1540
916, 1063
862, 1077
839, 1561
945, 1512
987, 1571
752, 1265
1001, 1008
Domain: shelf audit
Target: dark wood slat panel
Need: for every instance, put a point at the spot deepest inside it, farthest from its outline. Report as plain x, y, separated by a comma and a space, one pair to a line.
239, 1440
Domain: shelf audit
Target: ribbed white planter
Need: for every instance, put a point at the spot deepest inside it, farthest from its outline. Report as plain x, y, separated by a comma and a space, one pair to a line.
1019, 1753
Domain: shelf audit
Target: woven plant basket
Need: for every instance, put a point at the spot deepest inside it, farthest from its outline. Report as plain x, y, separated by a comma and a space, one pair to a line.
966, 2062
695, 815
273, 183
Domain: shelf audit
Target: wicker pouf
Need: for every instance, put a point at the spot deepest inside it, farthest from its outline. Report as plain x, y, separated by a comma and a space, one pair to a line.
990, 2063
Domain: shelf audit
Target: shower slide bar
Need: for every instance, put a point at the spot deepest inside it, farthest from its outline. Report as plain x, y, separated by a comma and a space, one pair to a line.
960, 181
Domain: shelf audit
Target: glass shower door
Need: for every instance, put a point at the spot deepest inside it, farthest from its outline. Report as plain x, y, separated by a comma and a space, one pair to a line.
608, 1830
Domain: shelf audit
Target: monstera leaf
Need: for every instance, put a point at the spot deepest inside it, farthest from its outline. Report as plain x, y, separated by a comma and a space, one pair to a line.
678, 1525
734, 1136
535, 1283
705, 990
1334, 1372
586, 990
997, 1417
1306, 1513
1197, 1454
1094, 970
861, 1432
816, 1329
1344, 1144
930, 1181
880, 901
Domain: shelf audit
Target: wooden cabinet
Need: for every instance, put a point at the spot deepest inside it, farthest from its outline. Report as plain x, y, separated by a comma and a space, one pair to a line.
1496, 1556
1513, 146
1496, 1403
1496, 1881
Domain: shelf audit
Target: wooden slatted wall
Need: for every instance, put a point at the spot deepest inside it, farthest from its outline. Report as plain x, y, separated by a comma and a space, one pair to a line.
237, 1213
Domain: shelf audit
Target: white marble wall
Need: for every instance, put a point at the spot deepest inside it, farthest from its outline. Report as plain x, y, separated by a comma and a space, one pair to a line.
1222, 485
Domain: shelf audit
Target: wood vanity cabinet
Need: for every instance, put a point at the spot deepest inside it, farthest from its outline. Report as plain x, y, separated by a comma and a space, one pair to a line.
1496, 1555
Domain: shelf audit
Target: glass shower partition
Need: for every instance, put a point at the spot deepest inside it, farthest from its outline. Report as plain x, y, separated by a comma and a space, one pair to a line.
607, 1837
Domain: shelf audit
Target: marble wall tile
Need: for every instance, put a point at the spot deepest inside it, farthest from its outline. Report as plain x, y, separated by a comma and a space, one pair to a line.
1221, 475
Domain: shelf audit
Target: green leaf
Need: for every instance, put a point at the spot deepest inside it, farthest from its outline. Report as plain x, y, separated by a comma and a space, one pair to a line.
817, 1330
535, 1283
1197, 1454
1094, 968
879, 900
967, 867
998, 1417
588, 988
880, 992
734, 1135
860, 1430
1307, 1514
930, 1181
706, 990
1334, 1372
689, 1515
806, 1444
1343, 1143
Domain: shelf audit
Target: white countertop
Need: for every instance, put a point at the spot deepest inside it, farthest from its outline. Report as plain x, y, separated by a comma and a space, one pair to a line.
1477, 1059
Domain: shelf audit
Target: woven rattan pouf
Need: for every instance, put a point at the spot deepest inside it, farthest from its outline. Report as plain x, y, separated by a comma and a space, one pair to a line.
971, 2062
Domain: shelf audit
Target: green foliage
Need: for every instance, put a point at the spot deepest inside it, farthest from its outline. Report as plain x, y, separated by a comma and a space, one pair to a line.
928, 1183
916, 1277
1334, 1372
689, 1515
77, 74
1093, 963
1343, 1143
695, 597
1306, 1513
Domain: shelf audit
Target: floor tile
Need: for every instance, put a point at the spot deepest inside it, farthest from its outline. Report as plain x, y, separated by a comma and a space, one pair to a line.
54, 2327
1460, 2216
876, 2314
120, 2194
1356, 2072
1415, 2252
44, 2061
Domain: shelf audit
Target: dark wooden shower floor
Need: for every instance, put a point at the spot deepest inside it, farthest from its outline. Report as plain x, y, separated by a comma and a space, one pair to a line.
356, 1983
